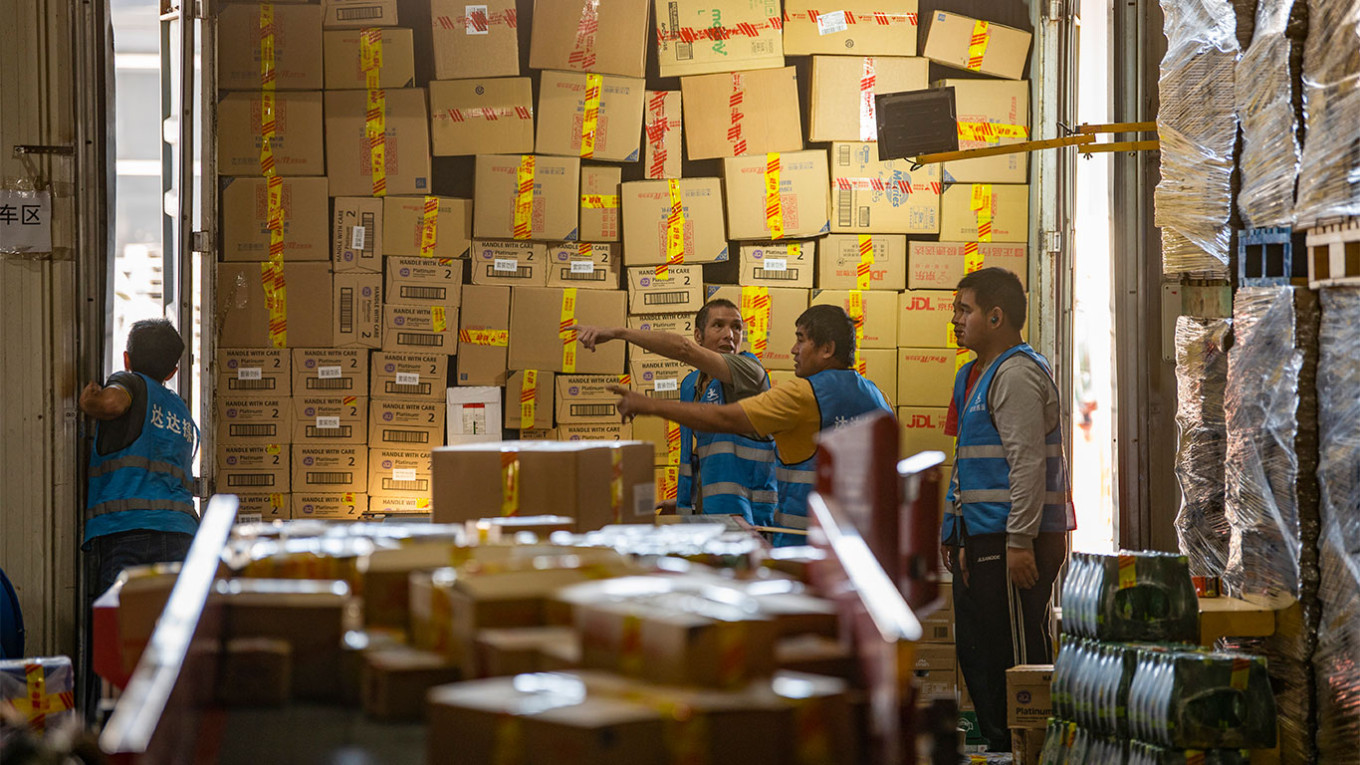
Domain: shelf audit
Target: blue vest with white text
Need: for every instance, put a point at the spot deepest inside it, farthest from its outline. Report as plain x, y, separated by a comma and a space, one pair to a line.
155, 471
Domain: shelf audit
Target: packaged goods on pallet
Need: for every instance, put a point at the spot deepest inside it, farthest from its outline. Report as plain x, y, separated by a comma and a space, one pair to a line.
1269, 104
1330, 155
1143, 596
1201, 376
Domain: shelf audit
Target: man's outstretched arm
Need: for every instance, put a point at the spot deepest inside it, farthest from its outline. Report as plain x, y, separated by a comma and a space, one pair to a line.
667, 344
710, 418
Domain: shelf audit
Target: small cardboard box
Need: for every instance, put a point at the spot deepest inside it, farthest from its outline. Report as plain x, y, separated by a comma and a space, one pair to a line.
585, 36
297, 145
870, 196
586, 399
940, 265
536, 401
487, 116
249, 420
347, 506
1003, 52
257, 508
961, 203
536, 339
472, 41
330, 372
264, 372
683, 290
425, 329
357, 234
658, 376
798, 209
923, 431
514, 264
600, 204
925, 319
786, 305
662, 134
843, 88
245, 219
880, 314
296, 34
251, 467
393, 52
564, 99
584, 265
990, 113
474, 415
1027, 745
484, 335
328, 468
406, 166
444, 232
837, 268
395, 681
330, 419
632, 472
1028, 697
925, 376
889, 29
701, 36
880, 366
353, 14
424, 282
399, 472
406, 424
528, 196
408, 376
736, 113
647, 208
243, 316
358, 310
777, 264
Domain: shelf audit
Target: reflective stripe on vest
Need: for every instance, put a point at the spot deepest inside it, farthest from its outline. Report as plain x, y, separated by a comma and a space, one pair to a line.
156, 466
736, 473
151, 473
786, 521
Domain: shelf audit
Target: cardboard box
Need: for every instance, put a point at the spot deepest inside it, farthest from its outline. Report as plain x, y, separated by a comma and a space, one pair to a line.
424, 282
424, 329
473, 41
777, 264
406, 155
925, 319
445, 232
484, 335
474, 415
586, 36
990, 113
395, 681
940, 265
535, 401
702, 36
263, 508
662, 134
1010, 212
330, 419
880, 366
681, 324
667, 480
798, 209
936, 684
351, 14
406, 424
882, 197
245, 219
658, 432
393, 52
682, 291
778, 376
563, 98
399, 472
880, 314
327, 468
251, 467
647, 207
586, 399
786, 305
408, 376
937, 626
243, 317
600, 204
348, 506
297, 145
536, 340
548, 208
403, 506
925, 376
357, 234
736, 113
358, 310
1029, 702
519, 650
484, 116
1027, 746
296, 34
879, 28
250, 420
658, 376
1004, 52
264, 372
584, 265
923, 431
330, 372
514, 264
837, 268
843, 87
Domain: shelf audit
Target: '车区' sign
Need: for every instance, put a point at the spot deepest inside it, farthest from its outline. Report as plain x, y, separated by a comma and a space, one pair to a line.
25, 221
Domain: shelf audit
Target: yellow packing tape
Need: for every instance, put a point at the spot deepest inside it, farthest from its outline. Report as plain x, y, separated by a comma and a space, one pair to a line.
675, 231
977, 45
972, 257
630, 646
509, 483
600, 201
429, 227
1241, 673
672, 443
755, 314
528, 398
495, 338
866, 261
268, 124
1128, 571
857, 315
38, 703
375, 129
371, 56
616, 484
437, 318
981, 205
276, 501
524, 197
988, 132
960, 358
590, 117
274, 197
774, 209
267, 72
566, 331
276, 301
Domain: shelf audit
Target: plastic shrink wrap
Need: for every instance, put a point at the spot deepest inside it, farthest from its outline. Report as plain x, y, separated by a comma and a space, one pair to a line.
1268, 92
1201, 376
1329, 169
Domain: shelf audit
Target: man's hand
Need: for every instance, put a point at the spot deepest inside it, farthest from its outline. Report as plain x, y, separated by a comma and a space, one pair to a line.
590, 336
630, 403
1024, 572
947, 555
88, 395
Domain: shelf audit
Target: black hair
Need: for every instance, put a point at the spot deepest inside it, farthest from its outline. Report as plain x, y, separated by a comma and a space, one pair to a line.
154, 348
701, 318
824, 324
997, 287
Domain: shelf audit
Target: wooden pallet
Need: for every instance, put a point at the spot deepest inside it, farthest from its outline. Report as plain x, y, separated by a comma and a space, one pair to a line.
1334, 254
1268, 257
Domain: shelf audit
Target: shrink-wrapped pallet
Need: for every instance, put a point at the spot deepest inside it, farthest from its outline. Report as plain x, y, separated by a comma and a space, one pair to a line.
1329, 170
1201, 376
1268, 92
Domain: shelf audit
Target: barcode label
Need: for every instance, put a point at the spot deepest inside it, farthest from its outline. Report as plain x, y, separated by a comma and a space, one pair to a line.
251, 480
405, 437
336, 432
412, 338
394, 485
588, 276
252, 385
831, 23
475, 20
356, 237
845, 211
328, 373
776, 264
666, 383
503, 265
591, 410
332, 384
842, 158
329, 478
423, 293
781, 274
403, 474
248, 518
665, 298
644, 499
249, 373
244, 431
408, 378
583, 266
327, 423
523, 272
358, 14
346, 310
395, 387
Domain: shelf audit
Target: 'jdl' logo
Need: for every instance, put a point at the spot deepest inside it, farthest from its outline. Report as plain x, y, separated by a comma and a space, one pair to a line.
920, 304
922, 420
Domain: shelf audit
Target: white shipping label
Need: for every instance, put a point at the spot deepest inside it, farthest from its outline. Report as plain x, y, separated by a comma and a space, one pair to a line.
250, 373
644, 499
474, 420
475, 20
357, 236
583, 266
776, 264
666, 383
248, 518
505, 264
403, 474
327, 423
328, 373
831, 22
408, 378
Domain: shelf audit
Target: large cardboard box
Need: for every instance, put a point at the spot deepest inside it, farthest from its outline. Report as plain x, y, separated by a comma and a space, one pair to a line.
330, 372
245, 219
657, 376
923, 431
406, 151
351, 14
925, 376
702, 36
755, 210
600, 204
257, 508
244, 317
514, 264
297, 145
399, 472
406, 424
736, 113
880, 314
682, 290
347, 506
838, 266
484, 335
566, 101
587, 36
777, 264
474, 415
486, 116
961, 203
882, 197
296, 36
537, 341
439, 227
249, 420
357, 234
330, 420
681, 324
424, 282
662, 133
878, 28
328, 468
1001, 52
940, 265
527, 197
925, 319
473, 41
647, 218
263, 372
423, 329
251, 467
843, 89
408, 376
358, 310
785, 306
586, 399
880, 366
529, 406
584, 265
990, 113
1029, 701
393, 52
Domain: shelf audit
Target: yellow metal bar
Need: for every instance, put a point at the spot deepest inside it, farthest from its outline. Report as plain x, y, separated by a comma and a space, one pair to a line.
1099, 148
1010, 148
1118, 127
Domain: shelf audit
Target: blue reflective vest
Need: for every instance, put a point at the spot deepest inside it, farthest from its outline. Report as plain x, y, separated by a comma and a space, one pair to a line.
980, 492
736, 473
155, 471
842, 395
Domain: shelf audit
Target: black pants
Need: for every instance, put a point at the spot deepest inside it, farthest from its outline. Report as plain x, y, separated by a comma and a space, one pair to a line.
998, 625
